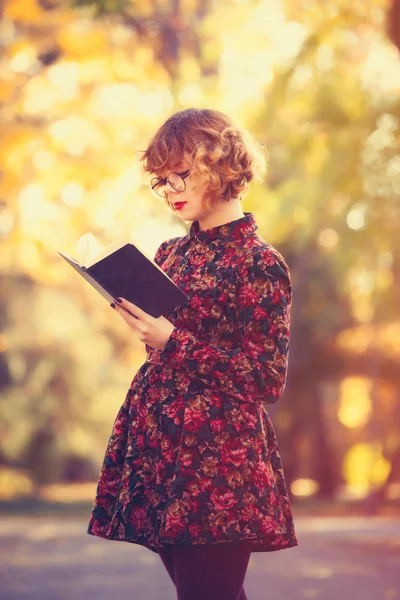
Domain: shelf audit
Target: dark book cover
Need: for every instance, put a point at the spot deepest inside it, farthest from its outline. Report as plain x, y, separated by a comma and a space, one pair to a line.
129, 273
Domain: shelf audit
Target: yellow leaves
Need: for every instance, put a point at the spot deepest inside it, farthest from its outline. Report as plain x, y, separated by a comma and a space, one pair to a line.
23, 10
126, 100
39, 97
13, 149
82, 39
74, 134
318, 153
23, 55
6, 91
80, 96
37, 212
27, 254
189, 69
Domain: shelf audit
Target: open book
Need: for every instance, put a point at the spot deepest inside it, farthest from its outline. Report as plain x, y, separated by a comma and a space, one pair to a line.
123, 269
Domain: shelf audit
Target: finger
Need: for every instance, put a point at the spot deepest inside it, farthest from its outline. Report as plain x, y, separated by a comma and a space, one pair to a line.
132, 308
128, 317
124, 309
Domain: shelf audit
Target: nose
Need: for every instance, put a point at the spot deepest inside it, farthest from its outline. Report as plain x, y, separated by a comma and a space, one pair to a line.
169, 188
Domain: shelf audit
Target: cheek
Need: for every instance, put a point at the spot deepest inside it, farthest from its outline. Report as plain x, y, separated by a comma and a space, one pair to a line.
198, 185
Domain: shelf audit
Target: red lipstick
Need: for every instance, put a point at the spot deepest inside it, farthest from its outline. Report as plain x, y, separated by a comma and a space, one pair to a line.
178, 205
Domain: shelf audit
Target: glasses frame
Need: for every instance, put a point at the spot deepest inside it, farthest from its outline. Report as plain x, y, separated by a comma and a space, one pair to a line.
165, 180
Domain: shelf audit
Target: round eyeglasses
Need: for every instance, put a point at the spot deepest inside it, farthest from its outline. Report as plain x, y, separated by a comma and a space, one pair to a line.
175, 180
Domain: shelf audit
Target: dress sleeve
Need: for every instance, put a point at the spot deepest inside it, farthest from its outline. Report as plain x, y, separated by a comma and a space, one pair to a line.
159, 257
256, 370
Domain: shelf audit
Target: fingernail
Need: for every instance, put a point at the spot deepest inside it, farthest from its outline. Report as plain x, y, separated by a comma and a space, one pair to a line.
112, 304
119, 300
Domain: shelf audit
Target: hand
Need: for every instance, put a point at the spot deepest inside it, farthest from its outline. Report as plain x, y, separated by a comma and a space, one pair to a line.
151, 331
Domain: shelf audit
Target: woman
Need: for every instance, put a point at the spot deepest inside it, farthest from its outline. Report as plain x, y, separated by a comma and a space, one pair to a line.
192, 469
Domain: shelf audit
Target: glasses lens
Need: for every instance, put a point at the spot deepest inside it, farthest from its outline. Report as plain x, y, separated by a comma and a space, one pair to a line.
158, 187
176, 182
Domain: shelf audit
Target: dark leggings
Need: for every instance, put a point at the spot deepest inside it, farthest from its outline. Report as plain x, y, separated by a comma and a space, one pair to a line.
207, 571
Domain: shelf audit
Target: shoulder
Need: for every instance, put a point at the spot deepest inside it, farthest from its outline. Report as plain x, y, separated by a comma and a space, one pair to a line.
171, 242
165, 248
262, 257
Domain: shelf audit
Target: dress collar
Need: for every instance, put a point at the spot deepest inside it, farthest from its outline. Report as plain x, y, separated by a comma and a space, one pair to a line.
239, 228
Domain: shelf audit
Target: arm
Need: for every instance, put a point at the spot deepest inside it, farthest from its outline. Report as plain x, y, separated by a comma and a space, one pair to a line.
161, 254
255, 371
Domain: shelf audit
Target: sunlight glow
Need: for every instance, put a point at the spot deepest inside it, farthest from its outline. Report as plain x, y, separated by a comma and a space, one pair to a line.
383, 338
64, 78
191, 94
72, 193
126, 100
328, 238
361, 285
43, 160
380, 72
76, 134
354, 408
24, 60
14, 483
364, 466
304, 487
39, 96
251, 50
356, 216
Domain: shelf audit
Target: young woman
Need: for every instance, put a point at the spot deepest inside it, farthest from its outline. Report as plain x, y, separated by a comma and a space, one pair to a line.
192, 469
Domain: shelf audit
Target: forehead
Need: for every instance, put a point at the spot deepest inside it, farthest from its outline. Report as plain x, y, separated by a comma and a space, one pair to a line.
183, 165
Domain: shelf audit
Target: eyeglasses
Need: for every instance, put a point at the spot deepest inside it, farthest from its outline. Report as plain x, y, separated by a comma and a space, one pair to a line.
175, 180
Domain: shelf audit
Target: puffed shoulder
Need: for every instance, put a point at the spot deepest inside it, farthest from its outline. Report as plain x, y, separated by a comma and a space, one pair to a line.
265, 259
165, 248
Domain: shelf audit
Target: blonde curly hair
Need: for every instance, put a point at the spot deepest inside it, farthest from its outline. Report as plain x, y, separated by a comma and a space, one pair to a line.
229, 157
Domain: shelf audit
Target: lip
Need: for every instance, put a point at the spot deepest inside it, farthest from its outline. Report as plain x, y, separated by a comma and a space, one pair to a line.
179, 205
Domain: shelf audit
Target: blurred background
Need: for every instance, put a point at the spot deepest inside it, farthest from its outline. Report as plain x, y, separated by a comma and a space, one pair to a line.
83, 86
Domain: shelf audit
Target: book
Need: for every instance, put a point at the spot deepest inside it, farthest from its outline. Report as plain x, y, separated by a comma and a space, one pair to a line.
123, 269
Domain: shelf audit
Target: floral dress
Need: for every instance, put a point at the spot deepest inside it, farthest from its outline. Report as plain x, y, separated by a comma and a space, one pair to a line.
193, 457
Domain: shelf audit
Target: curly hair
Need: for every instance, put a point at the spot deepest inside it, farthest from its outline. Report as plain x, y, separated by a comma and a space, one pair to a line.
214, 146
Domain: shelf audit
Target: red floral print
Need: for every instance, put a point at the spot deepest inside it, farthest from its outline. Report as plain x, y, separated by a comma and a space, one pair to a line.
193, 457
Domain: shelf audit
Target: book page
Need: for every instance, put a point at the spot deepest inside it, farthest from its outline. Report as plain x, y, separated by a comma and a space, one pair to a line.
87, 247
89, 251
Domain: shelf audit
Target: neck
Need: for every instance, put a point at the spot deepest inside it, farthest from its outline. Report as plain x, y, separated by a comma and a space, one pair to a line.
221, 214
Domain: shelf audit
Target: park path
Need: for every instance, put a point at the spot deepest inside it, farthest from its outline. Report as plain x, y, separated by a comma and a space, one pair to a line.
53, 558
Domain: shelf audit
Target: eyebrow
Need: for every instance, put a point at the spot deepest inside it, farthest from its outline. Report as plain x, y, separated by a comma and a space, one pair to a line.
178, 172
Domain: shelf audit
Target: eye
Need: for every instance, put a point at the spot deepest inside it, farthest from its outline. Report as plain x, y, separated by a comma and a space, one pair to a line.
156, 182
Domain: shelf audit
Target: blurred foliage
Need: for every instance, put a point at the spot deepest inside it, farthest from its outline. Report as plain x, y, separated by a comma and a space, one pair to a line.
83, 86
